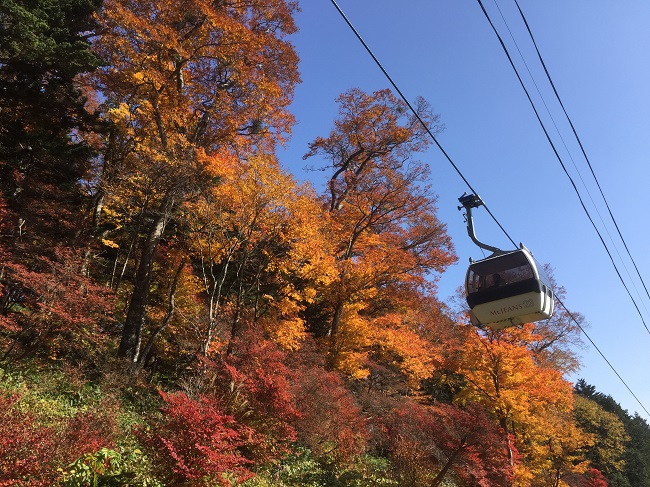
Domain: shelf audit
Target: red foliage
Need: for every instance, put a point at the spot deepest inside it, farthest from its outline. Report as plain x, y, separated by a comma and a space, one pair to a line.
5, 218
51, 307
196, 442
593, 478
30, 452
257, 374
88, 432
331, 423
24, 447
240, 412
447, 440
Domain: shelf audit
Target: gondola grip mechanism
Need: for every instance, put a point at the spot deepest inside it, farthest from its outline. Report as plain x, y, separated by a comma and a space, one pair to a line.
469, 201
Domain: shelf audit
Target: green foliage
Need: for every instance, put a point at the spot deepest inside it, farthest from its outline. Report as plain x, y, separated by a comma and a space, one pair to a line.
110, 468
50, 392
634, 466
54, 405
301, 469
44, 45
608, 432
95, 469
43, 32
637, 453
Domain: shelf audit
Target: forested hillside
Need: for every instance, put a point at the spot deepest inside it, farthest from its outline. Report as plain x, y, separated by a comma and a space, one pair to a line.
175, 309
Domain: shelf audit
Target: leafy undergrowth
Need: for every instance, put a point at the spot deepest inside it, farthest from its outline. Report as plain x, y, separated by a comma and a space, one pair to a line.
59, 429
232, 425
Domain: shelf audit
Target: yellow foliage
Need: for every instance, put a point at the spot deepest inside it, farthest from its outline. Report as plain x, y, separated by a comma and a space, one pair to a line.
288, 333
110, 243
352, 342
410, 353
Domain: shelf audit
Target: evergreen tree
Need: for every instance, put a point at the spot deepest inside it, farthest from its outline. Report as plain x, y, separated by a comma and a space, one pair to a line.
44, 46
636, 468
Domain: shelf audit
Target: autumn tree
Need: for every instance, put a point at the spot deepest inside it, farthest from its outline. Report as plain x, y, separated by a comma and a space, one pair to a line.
558, 338
433, 444
382, 221
632, 467
532, 403
606, 453
174, 307
258, 250
187, 85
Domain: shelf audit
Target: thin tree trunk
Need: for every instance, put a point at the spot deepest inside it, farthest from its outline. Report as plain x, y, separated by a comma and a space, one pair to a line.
136, 314
171, 308
333, 335
450, 461
504, 425
136, 232
214, 286
236, 324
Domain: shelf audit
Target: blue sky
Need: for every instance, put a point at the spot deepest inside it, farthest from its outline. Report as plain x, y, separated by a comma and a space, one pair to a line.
598, 53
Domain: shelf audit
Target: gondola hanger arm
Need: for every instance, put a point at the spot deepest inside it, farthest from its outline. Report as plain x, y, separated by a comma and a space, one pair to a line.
469, 201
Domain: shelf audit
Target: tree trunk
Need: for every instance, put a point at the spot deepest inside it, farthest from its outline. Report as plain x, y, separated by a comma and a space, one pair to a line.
443, 472
333, 335
171, 308
136, 314
235, 331
504, 425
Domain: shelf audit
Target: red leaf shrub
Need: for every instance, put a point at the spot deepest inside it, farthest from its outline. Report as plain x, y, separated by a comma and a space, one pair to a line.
593, 478
49, 306
88, 432
330, 422
30, 452
25, 447
195, 443
259, 394
448, 441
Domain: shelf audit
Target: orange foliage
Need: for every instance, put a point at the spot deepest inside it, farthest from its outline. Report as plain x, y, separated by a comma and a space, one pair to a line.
188, 85
533, 402
258, 245
388, 240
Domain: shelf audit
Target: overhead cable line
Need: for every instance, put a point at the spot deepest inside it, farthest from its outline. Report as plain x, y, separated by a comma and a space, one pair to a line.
584, 152
559, 158
425, 126
573, 318
415, 113
570, 155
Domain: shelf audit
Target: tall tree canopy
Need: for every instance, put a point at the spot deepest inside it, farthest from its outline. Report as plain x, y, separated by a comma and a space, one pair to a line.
532, 403
190, 85
629, 467
382, 221
266, 333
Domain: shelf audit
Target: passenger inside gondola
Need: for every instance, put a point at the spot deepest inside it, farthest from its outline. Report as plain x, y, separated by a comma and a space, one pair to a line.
484, 277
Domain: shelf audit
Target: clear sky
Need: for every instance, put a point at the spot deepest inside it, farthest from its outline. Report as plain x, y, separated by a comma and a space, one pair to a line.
598, 53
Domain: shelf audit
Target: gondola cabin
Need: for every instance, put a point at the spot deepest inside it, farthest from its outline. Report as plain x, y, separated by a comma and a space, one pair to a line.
508, 289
